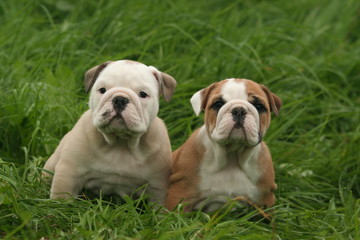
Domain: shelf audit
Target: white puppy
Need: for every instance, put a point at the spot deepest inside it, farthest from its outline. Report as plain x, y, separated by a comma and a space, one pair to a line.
119, 144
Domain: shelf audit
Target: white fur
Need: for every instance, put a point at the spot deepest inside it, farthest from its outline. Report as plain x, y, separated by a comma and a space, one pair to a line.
234, 90
132, 79
196, 102
108, 154
227, 173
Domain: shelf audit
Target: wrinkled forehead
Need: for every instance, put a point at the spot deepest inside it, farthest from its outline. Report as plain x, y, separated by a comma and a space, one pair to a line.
127, 74
239, 89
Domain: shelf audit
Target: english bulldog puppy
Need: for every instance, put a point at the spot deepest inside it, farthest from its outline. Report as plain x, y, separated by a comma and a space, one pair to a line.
119, 144
227, 157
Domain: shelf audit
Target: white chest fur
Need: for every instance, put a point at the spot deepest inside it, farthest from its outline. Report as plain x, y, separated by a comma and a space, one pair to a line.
225, 175
115, 171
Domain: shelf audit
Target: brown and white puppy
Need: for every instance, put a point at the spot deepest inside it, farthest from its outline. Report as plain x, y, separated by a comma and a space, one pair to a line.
119, 144
226, 158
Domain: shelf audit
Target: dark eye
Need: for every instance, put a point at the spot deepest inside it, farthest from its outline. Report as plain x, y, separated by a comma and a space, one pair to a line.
143, 94
102, 90
218, 104
259, 107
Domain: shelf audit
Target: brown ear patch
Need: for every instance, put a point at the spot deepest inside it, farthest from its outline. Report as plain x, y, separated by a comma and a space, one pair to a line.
166, 82
274, 100
168, 86
92, 74
205, 95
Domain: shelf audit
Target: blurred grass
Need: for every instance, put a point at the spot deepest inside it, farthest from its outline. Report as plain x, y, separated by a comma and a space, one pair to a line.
307, 52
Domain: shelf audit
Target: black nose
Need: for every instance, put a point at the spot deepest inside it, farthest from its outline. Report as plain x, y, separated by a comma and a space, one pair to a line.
119, 103
238, 115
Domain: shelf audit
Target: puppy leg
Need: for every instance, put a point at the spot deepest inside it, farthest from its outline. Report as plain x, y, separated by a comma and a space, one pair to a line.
267, 180
268, 198
50, 166
66, 183
177, 193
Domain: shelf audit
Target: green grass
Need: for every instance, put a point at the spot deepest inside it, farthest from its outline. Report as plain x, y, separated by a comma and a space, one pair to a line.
307, 52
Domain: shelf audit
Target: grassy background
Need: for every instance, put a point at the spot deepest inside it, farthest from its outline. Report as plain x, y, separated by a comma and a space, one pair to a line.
307, 52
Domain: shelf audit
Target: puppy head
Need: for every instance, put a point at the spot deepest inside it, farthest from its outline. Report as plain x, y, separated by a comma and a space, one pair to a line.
236, 110
124, 95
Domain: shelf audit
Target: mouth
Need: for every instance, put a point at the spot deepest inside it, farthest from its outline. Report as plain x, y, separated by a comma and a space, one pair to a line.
111, 117
119, 112
239, 137
120, 122
118, 117
239, 124
238, 128
106, 114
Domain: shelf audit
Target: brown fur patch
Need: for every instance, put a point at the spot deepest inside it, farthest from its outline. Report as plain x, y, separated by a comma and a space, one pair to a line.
209, 96
274, 100
168, 86
166, 82
266, 182
92, 74
185, 174
254, 91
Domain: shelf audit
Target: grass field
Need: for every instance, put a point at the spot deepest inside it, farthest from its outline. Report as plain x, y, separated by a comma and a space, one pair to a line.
307, 52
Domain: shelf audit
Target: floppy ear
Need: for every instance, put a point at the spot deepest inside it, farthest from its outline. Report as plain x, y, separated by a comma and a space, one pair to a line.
199, 99
196, 102
274, 100
92, 74
167, 83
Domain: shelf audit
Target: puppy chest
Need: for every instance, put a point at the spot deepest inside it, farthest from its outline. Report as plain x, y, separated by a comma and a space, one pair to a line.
117, 161
231, 181
114, 173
